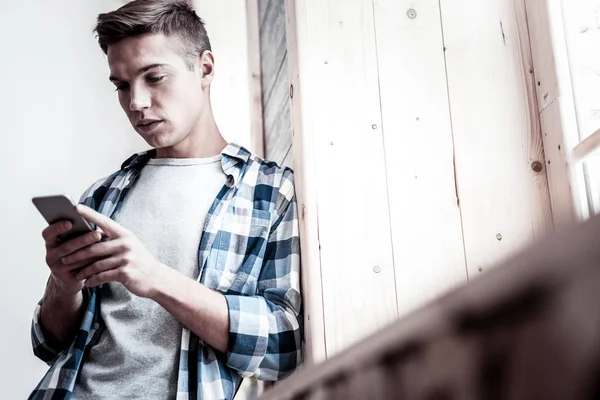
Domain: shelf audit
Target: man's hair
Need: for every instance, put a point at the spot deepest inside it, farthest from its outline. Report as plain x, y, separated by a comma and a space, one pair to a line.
168, 17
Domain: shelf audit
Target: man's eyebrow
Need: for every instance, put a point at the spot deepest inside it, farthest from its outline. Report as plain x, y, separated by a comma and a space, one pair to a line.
147, 68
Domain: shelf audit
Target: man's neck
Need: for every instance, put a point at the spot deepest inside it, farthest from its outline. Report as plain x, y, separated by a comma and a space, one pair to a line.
206, 142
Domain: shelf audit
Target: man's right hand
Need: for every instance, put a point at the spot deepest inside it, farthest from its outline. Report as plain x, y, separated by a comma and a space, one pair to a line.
63, 276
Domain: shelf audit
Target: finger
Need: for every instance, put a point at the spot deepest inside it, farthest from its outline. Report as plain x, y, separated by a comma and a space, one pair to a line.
98, 249
98, 267
112, 275
101, 231
73, 269
50, 234
77, 243
107, 225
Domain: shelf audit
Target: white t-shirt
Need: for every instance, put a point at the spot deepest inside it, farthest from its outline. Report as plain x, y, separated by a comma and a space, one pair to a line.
137, 355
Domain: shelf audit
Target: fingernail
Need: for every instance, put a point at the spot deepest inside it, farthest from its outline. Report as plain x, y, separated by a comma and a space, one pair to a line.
64, 260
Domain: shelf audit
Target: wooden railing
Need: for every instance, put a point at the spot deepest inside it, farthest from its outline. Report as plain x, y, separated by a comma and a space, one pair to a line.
529, 329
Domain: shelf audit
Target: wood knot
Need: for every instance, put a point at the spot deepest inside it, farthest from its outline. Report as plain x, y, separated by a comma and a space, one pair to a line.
537, 166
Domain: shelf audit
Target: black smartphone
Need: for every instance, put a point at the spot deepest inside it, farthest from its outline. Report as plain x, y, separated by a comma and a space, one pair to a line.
61, 208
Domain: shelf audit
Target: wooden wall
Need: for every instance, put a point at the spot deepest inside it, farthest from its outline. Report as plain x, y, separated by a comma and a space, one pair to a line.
275, 82
418, 154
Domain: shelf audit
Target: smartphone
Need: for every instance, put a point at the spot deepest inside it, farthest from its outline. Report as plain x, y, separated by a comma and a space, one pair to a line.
61, 208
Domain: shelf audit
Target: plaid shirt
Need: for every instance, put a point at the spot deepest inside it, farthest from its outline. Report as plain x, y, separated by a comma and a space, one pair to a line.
249, 251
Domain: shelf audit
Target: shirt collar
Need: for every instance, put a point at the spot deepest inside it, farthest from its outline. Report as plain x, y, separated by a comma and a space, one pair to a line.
234, 158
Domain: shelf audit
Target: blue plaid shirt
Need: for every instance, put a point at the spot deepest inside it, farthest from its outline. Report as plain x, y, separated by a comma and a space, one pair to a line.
249, 251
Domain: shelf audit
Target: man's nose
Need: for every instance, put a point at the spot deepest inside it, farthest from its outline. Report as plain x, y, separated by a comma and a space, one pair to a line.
140, 99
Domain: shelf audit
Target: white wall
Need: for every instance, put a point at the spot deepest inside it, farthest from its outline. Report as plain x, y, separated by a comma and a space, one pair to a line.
230, 91
61, 129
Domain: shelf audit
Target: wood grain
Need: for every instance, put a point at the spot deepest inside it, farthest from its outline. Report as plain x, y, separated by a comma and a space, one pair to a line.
306, 189
337, 78
500, 162
424, 211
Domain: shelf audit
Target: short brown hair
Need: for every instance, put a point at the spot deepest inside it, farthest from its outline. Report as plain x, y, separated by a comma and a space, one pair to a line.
167, 17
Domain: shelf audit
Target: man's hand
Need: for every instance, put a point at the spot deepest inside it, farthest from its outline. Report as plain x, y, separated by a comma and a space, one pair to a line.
122, 259
64, 276
62, 305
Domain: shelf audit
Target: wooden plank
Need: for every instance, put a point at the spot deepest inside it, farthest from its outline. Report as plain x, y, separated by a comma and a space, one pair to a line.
559, 121
587, 146
279, 135
306, 188
277, 120
424, 211
504, 199
592, 163
337, 77
257, 136
547, 61
273, 45
288, 159
274, 76
262, 10
275, 82
560, 181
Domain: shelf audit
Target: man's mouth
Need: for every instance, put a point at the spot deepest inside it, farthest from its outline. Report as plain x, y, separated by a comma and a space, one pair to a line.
147, 122
147, 126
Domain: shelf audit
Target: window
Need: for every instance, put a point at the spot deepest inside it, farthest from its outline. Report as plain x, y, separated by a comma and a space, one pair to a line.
581, 19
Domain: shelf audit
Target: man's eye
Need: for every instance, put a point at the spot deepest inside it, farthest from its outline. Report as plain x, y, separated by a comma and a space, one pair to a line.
122, 87
155, 79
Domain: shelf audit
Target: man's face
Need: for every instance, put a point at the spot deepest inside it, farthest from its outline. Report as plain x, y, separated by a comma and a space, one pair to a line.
161, 96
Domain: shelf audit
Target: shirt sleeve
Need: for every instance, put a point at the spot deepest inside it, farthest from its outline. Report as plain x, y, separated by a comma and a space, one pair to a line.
265, 338
41, 348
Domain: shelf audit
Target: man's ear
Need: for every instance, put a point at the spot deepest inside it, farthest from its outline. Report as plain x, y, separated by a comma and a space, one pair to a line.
207, 66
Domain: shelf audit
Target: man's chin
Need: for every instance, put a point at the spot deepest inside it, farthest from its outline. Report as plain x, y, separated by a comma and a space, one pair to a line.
158, 140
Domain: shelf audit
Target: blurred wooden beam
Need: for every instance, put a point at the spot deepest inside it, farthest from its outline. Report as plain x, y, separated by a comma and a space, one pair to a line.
529, 329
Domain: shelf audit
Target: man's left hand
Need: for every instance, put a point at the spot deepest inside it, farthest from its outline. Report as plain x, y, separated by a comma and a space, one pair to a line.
123, 258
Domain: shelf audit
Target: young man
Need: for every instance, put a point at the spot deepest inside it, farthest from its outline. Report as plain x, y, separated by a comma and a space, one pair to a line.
197, 285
